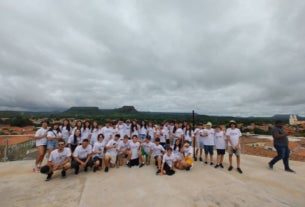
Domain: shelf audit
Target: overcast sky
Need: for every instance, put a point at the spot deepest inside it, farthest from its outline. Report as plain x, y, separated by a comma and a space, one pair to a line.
216, 57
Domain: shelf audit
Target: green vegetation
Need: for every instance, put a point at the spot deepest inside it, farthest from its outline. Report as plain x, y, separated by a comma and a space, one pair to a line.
20, 121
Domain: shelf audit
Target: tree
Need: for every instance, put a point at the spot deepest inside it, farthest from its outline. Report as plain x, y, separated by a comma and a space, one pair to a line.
20, 121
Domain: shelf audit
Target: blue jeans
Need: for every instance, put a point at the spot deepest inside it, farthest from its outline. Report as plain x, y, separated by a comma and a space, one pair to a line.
282, 154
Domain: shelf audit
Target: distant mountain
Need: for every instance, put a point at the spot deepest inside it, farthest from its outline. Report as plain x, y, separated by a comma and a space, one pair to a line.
94, 111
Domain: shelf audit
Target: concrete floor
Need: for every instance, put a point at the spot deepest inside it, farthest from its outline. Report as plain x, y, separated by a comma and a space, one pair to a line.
202, 186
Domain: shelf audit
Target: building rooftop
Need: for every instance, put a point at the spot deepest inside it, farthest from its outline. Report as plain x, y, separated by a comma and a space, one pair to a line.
202, 186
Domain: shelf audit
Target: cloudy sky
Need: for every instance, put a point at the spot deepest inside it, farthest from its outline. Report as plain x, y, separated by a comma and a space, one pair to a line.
216, 57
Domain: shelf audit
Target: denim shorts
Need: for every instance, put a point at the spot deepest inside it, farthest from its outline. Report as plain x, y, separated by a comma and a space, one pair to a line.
51, 144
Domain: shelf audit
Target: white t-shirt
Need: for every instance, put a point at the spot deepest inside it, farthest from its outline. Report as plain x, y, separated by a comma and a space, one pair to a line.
188, 152
108, 133
162, 137
169, 159
179, 132
86, 132
99, 147
147, 147
151, 133
220, 140
188, 136
123, 146
65, 133
82, 153
177, 153
143, 130
127, 130
94, 134
53, 135
209, 139
57, 157
165, 132
121, 130
112, 142
42, 141
234, 135
71, 140
134, 147
157, 150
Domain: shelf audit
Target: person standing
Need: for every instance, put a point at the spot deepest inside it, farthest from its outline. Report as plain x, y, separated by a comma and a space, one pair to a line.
41, 144
280, 142
233, 136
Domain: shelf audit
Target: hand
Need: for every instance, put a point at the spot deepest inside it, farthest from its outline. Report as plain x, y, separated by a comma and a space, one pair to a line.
83, 164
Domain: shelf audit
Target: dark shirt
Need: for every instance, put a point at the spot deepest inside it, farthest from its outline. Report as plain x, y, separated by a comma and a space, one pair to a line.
282, 141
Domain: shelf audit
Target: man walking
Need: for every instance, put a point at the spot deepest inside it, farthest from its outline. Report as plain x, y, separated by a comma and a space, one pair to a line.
280, 142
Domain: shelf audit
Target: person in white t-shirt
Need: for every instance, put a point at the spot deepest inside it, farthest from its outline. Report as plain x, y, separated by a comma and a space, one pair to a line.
151, 131
41, 143
66, 130
157, 153
95, 131
188, 134
86, 131
233, 136
179, 132
108, 132
143, 130
124, 150
220, 145
135, 156
82, 156
187, 161
98, 152
197, 141
120, 127
147, 147
177, 151
208, 141
112, 149
168, 162
74, 140
53, 135
60, 159
127, 128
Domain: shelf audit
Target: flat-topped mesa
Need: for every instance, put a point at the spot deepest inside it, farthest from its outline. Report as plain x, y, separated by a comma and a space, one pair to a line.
127, 109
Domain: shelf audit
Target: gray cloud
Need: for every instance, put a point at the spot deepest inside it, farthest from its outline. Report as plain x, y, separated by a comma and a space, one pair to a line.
225, 58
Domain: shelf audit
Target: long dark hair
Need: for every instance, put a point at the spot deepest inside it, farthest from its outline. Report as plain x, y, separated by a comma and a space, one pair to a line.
68, 127
52, 127
75, 137
145, 125
188, 130
92, 126
179, 145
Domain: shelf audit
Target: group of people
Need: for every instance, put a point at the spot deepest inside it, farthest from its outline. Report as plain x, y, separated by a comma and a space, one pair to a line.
95, 146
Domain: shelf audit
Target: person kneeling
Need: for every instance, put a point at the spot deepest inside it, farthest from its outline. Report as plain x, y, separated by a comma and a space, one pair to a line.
168, 162
82, 156
111, 152
187, 161
98, 151
59, 159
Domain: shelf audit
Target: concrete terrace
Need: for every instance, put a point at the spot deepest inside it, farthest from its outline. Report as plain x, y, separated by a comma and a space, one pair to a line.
202, 186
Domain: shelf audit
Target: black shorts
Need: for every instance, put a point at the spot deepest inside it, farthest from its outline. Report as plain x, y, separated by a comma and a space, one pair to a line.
209, 149
221, 151
134, 162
